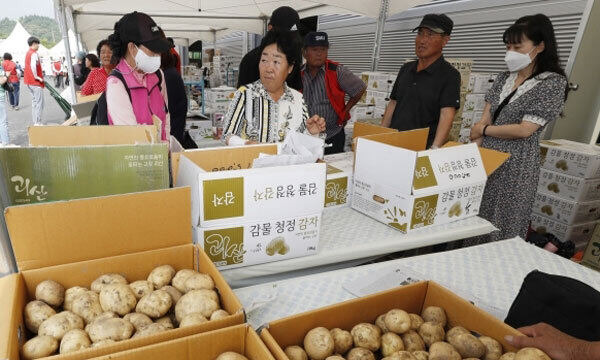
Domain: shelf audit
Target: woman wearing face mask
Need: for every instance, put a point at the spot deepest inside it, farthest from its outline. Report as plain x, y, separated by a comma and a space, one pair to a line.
266, 110
135, 91
519, 105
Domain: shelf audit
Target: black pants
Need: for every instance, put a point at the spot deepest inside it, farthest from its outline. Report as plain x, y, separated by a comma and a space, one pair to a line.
338, 141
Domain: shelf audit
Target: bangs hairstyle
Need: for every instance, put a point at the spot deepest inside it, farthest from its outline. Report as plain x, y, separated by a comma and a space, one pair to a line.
288, 43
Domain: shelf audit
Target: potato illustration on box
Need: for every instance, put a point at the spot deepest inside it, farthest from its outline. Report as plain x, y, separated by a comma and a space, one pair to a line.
554, 187
455, 210
277, 246
547, 209
562, 164
541, 230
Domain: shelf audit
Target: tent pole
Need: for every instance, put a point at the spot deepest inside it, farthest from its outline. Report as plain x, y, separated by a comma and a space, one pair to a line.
245, 46
265, 26
65, 33
383, 10
74, 29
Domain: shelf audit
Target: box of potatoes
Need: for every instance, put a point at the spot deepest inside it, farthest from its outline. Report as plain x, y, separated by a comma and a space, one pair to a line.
413, 322
233, 343
106, 274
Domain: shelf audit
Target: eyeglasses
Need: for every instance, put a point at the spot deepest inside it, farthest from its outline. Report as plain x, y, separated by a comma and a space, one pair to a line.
426, 33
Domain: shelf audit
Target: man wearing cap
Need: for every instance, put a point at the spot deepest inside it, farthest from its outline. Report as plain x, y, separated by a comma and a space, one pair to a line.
34, 79
427, 91
283, 18
325, 85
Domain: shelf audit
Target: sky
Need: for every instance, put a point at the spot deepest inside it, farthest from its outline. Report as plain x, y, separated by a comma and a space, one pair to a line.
28, 7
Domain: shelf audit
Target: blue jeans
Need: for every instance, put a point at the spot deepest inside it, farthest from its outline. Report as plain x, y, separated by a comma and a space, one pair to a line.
13, 97
4, 140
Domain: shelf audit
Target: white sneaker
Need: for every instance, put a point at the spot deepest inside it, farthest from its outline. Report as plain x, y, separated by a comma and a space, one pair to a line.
16, 108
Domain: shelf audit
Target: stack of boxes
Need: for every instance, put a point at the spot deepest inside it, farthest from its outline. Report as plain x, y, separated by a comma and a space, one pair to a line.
567, 202
479, 85
218, 99
464, 67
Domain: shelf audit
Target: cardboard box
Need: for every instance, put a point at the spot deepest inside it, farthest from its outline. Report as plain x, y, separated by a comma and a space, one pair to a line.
199, 129
217, 107
291, 330
571, 158
591, 256
568, 187
207, 346
454, 133
361, 112
464, 136
76, 241
378, 114
474, 102
377, 98
222, 93
566, 211
401, 185
378, 81
92, 135
577, 233
338, 187
481, 83
227, 191
464, 67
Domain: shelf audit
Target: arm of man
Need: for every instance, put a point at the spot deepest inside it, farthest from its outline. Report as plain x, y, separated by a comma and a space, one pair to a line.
387, 115
351, 85
444, 126
33, 65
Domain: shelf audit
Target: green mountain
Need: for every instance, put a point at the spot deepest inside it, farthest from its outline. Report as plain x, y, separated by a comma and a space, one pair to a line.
43, 27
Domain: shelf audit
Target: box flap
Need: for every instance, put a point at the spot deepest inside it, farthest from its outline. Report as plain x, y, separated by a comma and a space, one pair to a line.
69, 231
87, 98
363, 129
229, 158
187, 175
9, 345
572, 146
415, 140
91, 135
492, 159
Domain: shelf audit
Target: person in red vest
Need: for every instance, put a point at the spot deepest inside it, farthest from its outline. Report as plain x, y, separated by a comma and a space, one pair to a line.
57, 72
34, 79
325, 85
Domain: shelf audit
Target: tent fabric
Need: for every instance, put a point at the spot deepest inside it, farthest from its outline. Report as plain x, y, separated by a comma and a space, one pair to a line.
58, 50
16, 45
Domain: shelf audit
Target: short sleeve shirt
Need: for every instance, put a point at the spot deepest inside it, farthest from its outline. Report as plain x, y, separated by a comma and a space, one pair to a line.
421, 95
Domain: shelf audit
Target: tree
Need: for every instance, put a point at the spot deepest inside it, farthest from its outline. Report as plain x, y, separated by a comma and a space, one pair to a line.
6, 26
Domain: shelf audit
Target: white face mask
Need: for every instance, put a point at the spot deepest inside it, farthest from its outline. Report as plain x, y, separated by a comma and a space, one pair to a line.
146, 63
515, 61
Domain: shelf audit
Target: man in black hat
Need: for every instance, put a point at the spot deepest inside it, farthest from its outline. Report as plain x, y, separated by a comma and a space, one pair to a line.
325, 85
427, 91
282, 18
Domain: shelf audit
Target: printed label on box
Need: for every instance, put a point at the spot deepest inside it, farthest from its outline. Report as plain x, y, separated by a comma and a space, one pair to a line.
571, 158
568, 187
566, 211
223, 198
336, 191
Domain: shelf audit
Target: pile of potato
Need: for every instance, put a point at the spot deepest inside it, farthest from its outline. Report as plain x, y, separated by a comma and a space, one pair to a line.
114, 310
230, 355
398, 335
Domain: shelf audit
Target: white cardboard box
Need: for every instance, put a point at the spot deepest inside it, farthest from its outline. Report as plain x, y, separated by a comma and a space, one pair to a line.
339, 184
566, 211
571, 158
361, 112
222, 93
398, 183
227, 191
480, 83
568, 187
578, 233
377, 81
378, 112
474, 102
377, 98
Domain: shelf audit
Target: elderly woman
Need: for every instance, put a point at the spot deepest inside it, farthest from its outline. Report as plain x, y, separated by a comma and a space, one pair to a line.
266, 110
99, 69
520, 104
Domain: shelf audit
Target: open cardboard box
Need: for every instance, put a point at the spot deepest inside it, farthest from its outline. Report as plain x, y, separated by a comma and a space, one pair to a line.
279, 334
241, 339
74, 242
92, 135
399, 183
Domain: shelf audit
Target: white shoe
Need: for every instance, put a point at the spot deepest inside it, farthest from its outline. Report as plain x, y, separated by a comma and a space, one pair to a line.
16, 108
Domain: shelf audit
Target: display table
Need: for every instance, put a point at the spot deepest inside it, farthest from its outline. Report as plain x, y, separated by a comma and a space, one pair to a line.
490, 275
349, 238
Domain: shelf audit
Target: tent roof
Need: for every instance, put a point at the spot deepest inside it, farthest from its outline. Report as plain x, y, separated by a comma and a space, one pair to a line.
16, 44
58, 50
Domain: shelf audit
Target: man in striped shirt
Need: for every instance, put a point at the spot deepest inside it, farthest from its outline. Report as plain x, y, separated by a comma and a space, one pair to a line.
325, 86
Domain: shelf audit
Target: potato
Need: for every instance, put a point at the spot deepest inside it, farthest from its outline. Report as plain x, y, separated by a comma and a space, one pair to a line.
58, 325
138, 320
415, 322
401, 355
493, 349
141, 288
342, 341
50, 292
113, 328
103, 343
335, 357
443, 351
211, 294
106, 315
192, 319
166, 322
71, 294
155, 305
180, 277
175, 294
199, 281
360, 354
161, 276
421, 355
117, 298
531, 354
457, 330
218, 315
431, 332
413, 341
107, 279
151, 329
380, 322
467, 345
193, 302
318, 343
367, 336
39, 346
87, 305
508, 356
397, 321
295, 353
391, 343
35, 313
434, 314
74, 340
230, 355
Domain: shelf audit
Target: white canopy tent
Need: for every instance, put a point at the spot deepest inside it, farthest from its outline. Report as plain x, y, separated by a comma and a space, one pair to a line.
58, 50
16, 45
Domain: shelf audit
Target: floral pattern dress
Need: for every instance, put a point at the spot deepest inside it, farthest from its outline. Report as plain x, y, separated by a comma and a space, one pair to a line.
510, 191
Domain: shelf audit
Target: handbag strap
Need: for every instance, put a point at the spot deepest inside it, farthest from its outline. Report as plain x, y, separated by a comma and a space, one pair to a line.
507, 100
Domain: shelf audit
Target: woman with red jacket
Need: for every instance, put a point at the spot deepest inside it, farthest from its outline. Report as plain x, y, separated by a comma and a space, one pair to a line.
10, 68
